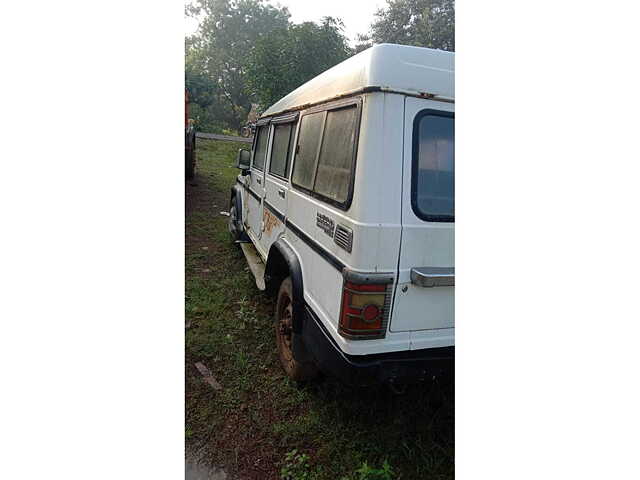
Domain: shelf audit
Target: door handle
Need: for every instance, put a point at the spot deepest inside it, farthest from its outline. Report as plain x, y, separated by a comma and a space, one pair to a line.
433, 277
281, 192
259, 180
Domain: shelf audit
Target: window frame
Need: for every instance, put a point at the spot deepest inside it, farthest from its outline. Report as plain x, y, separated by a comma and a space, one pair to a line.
283, 120
259, 125
327, 107
415, 167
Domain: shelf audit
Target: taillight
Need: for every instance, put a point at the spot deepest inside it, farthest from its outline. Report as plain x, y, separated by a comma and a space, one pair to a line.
363, 314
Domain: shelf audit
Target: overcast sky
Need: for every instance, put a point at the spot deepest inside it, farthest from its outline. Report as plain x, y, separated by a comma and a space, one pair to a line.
357, 15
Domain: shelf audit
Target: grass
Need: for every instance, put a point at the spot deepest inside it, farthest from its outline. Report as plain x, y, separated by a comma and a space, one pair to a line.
252, 425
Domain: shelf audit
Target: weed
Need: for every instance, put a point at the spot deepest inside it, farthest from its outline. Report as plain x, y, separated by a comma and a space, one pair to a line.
365, 472
296, 467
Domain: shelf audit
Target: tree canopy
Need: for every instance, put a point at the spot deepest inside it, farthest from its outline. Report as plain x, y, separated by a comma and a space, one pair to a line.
289, 57
217, 55
421, 23
248, 52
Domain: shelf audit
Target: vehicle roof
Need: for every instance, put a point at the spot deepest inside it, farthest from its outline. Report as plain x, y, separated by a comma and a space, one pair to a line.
397, 68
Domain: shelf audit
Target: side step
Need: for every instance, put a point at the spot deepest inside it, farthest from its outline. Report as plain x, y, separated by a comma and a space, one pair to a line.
255, 264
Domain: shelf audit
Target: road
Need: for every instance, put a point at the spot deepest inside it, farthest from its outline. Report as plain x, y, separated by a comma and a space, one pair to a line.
228, 138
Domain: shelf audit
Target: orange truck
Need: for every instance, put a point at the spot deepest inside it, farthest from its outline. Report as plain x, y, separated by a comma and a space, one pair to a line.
189, 140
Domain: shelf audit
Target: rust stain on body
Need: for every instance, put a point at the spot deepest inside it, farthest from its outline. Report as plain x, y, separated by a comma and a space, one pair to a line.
270, 221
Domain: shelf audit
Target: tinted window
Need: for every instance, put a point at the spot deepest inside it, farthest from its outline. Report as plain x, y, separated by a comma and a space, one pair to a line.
280, 149
308, 139
433, 167
336, 154
261, 147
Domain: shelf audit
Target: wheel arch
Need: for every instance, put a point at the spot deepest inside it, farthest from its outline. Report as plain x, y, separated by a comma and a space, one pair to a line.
283, 261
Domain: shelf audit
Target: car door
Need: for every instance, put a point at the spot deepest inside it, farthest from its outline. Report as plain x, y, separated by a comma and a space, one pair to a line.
424, 299
276, 181
256, 184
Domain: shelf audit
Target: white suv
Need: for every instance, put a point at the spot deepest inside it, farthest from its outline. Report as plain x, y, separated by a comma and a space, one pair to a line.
347, 196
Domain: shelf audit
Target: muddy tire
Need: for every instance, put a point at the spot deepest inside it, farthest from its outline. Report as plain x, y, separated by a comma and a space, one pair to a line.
233, 221
189, 166
190, 156
296, 370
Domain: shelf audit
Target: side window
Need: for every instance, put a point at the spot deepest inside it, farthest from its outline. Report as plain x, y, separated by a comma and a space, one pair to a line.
336, 154
326, 153
261, 147
279, 164
432, 181
308, 139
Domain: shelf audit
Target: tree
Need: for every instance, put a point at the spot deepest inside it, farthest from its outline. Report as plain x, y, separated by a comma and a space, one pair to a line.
288, 57
422, 23
207, 104
217, 56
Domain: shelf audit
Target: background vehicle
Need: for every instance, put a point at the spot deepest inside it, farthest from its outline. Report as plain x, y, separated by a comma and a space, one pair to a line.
347, 197
248, 130
189, 141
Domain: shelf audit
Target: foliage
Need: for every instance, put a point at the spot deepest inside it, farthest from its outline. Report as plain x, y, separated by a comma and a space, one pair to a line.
208, 106
422, 23
247, 51
365, 472
216, 56
240, 55
289, 57
296, 466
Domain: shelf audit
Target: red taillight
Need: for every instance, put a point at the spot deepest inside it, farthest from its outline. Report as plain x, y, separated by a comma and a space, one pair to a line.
370, 313
363, 314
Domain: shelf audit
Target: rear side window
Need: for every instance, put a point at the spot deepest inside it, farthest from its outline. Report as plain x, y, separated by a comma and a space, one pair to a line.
326, 154
261, 147
282, 134
308, 141
432, 176
336, 154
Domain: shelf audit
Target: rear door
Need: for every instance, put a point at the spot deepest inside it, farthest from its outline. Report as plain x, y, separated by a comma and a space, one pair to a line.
424, 299
276, 182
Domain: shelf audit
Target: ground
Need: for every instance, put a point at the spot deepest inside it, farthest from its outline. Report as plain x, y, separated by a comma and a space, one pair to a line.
260, 425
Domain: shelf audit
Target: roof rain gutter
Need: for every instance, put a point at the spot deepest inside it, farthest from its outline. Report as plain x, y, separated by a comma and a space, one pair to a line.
358, 91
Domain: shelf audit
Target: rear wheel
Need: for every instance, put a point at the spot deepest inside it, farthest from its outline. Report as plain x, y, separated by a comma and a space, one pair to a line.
285, 336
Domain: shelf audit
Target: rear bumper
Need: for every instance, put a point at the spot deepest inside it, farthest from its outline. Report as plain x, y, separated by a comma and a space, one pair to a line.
359, 370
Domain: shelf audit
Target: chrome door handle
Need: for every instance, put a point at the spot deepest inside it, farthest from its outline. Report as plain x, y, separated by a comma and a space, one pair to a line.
259, 180
281, 192
433, 277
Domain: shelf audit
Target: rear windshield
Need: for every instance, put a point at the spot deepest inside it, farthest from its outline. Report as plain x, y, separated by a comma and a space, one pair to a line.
432, 195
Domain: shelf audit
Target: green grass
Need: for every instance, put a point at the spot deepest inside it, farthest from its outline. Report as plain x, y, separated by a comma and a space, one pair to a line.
260, 416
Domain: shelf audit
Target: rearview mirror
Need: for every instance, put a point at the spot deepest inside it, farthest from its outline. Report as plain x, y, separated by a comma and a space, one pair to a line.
243, 159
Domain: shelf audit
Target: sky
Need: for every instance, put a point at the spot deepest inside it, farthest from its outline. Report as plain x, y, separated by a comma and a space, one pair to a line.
357, 15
